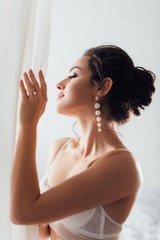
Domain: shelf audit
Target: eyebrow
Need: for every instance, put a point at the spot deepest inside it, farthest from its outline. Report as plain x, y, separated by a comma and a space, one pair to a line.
75, 67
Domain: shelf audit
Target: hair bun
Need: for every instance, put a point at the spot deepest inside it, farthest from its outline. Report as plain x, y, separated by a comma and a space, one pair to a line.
144, 88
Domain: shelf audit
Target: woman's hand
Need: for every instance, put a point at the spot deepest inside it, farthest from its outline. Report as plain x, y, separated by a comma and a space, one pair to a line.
43, 231
32, 106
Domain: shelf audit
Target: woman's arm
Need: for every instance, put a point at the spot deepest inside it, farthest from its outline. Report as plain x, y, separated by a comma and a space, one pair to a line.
24, 180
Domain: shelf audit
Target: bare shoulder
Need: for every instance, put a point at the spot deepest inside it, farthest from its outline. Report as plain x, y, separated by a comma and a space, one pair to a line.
54, 148
123, 164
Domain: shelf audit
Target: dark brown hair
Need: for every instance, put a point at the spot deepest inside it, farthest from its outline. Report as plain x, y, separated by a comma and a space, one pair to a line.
132, 87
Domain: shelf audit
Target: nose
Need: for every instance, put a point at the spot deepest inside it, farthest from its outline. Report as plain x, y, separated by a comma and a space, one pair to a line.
62, 84
59, 86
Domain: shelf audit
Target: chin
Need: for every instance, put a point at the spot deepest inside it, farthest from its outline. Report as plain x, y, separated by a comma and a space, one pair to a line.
60, 111
64, 113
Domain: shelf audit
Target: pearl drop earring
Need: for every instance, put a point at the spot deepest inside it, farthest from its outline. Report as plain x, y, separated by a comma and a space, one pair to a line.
98, 112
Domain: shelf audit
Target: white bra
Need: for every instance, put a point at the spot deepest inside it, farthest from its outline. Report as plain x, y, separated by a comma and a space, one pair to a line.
94, 223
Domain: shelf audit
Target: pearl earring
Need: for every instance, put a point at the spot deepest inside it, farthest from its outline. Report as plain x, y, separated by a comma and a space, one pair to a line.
98, 112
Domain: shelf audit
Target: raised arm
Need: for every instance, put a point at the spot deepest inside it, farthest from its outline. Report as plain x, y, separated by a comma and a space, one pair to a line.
44, 229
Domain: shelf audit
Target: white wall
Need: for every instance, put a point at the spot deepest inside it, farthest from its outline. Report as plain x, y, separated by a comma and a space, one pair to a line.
132, 25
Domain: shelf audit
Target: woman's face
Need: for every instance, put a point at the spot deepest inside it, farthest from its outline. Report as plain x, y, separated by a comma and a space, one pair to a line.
76, 87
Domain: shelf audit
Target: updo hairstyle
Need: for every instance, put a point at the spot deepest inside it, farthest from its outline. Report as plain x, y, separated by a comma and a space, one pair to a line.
132, 86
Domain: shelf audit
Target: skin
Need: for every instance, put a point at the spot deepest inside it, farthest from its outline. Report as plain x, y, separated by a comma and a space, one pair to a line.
96, 151
82, 109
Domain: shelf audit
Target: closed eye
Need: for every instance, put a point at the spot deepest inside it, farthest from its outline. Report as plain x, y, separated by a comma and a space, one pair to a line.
72, 76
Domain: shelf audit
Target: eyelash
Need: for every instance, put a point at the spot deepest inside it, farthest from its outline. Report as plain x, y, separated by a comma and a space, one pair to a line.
73, 76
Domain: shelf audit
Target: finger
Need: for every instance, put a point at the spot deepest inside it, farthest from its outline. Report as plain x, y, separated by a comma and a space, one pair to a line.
28, 83
23, 90
35, 83
43, 85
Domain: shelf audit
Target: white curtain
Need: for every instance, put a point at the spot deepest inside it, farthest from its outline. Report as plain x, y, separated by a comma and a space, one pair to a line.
24, 43
25, 30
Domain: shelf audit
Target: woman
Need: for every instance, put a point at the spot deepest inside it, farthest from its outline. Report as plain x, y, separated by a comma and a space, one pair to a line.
93, 180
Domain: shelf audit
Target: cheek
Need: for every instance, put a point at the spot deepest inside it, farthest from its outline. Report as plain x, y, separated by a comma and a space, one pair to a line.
79, 93
81, 86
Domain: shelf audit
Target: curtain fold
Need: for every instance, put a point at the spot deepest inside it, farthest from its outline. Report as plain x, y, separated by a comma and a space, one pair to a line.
25, 31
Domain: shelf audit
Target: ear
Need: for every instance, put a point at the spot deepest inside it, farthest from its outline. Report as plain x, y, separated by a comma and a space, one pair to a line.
105, 86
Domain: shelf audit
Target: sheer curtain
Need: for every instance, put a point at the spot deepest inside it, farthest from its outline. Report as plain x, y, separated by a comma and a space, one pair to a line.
78, 25
25, 30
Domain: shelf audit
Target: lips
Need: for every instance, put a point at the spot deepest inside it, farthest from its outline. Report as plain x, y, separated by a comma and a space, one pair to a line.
60, 95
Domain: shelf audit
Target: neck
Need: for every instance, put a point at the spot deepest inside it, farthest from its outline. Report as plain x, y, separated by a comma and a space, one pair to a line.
93, 143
